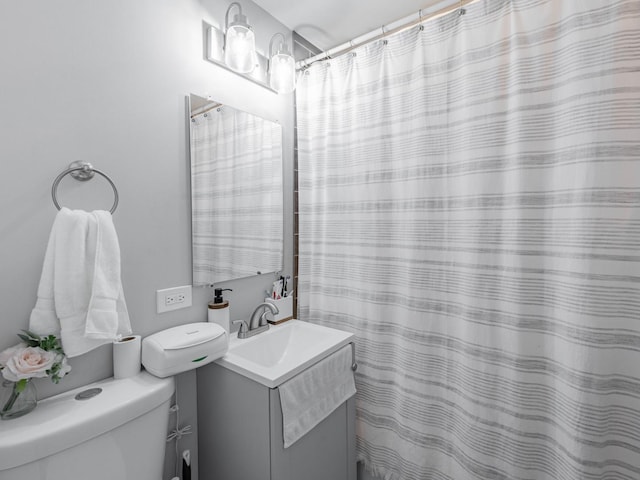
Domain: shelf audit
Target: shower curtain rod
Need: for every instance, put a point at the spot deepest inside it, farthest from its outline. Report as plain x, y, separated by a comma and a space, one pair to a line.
204, 109
423, 15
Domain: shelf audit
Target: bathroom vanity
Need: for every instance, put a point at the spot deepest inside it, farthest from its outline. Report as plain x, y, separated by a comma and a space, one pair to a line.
240, 433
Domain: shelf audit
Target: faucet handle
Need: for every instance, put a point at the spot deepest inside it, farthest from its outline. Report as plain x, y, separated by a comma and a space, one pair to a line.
244, 328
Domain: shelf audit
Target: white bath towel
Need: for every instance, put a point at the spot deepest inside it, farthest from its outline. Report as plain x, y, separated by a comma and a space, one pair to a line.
80, 294
314, 394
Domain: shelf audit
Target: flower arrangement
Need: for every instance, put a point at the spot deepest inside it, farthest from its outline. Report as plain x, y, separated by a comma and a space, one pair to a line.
35, 357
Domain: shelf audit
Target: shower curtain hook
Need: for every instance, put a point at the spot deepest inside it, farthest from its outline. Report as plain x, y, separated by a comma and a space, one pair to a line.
420, 20
461, 10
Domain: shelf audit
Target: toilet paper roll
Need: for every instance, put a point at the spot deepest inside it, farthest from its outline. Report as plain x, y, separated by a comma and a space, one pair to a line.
126, 356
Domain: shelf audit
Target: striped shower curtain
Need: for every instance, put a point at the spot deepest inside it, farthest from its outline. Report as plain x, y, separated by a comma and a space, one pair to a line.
469, 206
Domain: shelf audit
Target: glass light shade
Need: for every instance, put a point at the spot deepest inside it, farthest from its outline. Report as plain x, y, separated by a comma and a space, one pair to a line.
282, 73
240, 49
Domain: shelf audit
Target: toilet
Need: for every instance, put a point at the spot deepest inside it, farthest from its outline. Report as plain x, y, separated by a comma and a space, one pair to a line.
111, 429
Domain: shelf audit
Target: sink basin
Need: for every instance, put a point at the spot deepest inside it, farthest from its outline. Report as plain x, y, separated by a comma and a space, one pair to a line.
283, 351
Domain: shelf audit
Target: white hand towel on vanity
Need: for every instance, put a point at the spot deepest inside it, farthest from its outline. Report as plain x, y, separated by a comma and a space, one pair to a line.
311, 396
80, 293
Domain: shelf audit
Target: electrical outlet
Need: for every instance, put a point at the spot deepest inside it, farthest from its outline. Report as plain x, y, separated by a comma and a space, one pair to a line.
173, 298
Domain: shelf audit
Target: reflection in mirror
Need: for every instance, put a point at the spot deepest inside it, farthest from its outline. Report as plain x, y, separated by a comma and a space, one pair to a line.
236, 193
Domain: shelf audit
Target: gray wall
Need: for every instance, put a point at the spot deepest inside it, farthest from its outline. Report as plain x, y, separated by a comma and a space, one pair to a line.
105, 82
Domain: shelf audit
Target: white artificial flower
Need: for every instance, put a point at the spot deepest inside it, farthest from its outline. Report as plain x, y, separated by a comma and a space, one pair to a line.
28, 362
64, 366
5, 355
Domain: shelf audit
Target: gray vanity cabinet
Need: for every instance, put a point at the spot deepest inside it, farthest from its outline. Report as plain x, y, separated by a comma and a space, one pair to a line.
240, 434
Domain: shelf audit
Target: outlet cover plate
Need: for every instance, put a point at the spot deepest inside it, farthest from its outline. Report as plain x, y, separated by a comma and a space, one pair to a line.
173, 298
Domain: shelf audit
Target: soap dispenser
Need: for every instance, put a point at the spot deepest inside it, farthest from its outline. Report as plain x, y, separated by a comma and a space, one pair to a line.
218, 311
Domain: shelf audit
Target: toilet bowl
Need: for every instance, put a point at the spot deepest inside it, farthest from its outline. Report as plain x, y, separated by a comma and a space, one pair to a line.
112, 429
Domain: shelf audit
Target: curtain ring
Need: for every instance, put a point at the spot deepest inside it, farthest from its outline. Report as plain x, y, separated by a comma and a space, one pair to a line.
384, 34
461, 10
421, 25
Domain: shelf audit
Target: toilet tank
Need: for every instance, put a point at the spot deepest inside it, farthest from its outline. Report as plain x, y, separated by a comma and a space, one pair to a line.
117, 434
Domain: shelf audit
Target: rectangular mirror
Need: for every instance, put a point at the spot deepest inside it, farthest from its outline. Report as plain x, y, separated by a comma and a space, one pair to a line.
236, 193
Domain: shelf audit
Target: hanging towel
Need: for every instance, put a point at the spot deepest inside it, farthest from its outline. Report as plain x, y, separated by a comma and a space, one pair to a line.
311, 396
80, 295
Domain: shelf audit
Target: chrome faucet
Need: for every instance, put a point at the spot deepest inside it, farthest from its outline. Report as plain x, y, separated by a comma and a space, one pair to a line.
258, 322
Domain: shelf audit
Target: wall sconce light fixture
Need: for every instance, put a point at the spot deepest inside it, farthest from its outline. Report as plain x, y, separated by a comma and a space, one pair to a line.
239, 42
282, 67
234, 49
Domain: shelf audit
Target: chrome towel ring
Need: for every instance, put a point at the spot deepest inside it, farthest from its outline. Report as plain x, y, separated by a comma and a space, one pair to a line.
83, 171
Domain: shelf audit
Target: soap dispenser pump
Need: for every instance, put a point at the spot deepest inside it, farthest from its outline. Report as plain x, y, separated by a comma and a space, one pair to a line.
218, 311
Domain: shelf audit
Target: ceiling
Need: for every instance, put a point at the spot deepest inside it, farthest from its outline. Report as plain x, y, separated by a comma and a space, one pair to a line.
329, 23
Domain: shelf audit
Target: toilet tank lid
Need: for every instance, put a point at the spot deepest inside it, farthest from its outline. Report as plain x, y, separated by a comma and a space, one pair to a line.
62, 422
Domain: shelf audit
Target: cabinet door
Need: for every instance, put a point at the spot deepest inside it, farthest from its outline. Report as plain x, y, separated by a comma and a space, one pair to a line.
326, 452
233, 426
